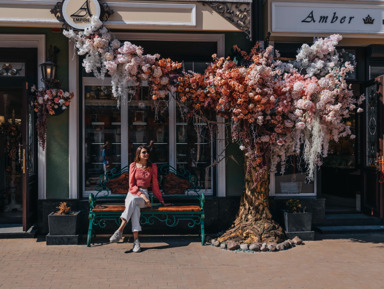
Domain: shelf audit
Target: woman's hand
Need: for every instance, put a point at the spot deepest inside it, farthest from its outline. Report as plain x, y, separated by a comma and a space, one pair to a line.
146, 200
147, 203
166, 204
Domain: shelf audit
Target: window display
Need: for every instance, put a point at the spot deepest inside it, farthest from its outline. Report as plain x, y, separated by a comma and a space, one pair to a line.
193, 148
293, 181
111, 134
147, 123
102, 134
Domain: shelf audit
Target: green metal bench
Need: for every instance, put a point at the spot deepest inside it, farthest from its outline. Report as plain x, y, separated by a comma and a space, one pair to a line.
105, 206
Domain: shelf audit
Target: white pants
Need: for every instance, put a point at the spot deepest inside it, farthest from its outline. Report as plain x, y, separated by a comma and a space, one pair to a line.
133, 204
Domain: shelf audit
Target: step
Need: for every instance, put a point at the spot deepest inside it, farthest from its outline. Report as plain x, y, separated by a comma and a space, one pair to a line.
9, 231
350, 220
350, 229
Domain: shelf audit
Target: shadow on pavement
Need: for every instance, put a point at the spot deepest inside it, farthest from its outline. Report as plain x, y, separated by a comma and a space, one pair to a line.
374, 237
158, 242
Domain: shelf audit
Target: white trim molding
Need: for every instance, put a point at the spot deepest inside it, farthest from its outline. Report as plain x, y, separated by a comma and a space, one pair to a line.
169, 7
32, 41
73, 126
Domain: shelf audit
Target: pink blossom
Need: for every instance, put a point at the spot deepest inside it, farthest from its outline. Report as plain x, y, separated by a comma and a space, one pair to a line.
298, 86
288, 123
300, 125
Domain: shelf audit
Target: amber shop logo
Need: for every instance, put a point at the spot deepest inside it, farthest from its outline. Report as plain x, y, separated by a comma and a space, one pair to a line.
83, 14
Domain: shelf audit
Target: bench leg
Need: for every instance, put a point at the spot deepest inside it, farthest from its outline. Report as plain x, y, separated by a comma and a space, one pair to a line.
89, 237
202, 233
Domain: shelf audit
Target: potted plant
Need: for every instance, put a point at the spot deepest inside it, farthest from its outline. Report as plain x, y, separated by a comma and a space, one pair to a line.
296, 219
62, 226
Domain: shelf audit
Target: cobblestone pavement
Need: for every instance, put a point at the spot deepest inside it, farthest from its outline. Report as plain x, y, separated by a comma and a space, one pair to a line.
348, 261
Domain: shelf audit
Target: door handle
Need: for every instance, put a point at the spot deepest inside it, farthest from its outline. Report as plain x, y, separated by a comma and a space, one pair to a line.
23, 160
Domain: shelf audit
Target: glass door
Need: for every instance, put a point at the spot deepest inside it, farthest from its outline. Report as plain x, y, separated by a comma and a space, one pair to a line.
11, 158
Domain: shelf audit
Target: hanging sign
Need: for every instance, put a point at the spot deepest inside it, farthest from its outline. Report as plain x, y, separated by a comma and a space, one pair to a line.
77, 14
327, 18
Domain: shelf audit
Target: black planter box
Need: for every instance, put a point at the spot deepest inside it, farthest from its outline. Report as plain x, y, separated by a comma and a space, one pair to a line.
63, 224
296, 222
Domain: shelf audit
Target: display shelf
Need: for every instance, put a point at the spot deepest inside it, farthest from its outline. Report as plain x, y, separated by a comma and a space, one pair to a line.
160, 143
100, 102
101, 143
116, 123
138, 143
97, 123
184, 143
139, 123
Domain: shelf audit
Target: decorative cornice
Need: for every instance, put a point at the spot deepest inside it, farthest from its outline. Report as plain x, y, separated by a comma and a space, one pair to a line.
237, 13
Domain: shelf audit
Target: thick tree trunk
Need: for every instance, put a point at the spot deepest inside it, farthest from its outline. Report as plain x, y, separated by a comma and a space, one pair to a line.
254, 221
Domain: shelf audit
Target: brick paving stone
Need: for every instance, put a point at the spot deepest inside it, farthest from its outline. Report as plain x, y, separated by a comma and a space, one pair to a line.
350, 261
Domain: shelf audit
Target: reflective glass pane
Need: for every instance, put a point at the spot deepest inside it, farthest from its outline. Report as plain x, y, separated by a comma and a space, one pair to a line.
294, 180
102, 139
194, 148
147, 122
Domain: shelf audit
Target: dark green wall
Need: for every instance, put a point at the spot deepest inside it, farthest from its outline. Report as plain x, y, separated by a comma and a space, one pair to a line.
57, 135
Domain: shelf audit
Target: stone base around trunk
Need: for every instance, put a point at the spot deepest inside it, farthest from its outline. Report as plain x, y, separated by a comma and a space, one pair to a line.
303, 235
62, 239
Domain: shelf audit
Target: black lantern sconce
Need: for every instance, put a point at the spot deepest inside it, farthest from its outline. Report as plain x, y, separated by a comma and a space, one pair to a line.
48, 69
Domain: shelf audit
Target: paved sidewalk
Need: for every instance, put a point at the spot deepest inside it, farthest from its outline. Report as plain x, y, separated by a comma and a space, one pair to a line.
349, 261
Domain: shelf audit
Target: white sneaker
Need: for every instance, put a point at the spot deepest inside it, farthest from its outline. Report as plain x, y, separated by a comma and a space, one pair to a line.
116, 237
136, 246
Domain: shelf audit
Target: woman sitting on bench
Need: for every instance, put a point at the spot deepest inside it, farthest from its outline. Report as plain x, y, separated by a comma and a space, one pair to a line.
141, 172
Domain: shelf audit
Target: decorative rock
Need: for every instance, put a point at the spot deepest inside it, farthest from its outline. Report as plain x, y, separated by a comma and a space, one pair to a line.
264, 247
287, 244
244, 247
297, 241
223, 246
280, 247
208, 239
232, 245
271, 247
255, 247
216, 243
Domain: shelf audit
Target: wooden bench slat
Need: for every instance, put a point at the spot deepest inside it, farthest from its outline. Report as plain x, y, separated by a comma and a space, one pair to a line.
120, 208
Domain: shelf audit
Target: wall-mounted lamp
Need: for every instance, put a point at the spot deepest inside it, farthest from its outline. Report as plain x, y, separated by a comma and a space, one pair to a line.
48, 69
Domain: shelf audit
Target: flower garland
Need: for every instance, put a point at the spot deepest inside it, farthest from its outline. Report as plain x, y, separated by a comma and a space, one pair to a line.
48, 102
125, 62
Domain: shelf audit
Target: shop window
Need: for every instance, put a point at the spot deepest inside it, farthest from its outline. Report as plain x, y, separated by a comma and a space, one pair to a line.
102, 133
294, 180
181, 143
111, 135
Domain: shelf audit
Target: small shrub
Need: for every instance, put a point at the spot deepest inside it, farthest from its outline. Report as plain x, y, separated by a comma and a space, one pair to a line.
63, 209
295, 206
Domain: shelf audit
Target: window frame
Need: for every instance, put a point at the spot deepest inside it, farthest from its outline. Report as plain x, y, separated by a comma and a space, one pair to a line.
76, 188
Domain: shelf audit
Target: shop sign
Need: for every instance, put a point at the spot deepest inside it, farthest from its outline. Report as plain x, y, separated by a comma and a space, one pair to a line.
327, 18
77, 14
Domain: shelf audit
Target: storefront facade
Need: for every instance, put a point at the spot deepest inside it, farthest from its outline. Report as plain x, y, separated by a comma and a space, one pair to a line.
70, 166
348, 181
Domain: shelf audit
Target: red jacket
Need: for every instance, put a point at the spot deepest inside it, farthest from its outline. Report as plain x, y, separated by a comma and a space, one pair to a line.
139, 177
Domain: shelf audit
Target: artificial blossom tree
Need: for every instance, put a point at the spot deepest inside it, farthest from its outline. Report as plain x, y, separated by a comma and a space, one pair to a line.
275, 109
